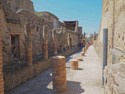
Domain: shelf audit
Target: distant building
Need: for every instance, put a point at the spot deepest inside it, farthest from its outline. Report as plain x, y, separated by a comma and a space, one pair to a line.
71, 25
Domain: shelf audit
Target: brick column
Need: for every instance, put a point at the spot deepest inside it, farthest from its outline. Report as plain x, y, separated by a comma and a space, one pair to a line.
45, 43
54, 43
1, 69
58, 64
74, 64
1, 58
55, 48
29, 46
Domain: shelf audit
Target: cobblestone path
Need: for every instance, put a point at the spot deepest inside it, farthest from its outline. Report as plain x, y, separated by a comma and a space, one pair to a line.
85, 80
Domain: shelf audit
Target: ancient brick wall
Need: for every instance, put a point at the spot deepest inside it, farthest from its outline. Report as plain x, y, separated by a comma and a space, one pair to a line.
13, 27
25, 41
15, 5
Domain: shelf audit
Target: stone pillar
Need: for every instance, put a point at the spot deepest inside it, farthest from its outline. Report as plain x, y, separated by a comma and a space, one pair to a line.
55, 48
1, 69
45, 43
29, 46
54, 43
1, 59
74, 64
58, 64
61, 49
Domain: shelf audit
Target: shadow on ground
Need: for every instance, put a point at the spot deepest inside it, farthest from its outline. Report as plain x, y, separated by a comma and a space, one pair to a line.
74, 88
77, 69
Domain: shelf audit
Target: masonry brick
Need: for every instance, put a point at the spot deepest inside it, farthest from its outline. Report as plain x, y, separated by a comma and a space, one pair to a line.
58, 64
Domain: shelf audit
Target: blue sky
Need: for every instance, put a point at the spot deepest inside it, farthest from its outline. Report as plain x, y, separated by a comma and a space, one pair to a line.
87, 12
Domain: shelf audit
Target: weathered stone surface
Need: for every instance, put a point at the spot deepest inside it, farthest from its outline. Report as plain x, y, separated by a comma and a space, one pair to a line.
15, 5
112, 18
115, 75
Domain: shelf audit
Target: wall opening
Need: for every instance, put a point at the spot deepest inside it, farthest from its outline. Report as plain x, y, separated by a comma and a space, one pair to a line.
15, 53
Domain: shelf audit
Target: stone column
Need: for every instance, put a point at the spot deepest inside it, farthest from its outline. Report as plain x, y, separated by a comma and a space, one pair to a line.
61, 49
1, 58
1, 68
45, 43
74, 64
54, 43
29, 46
55, 48
58, 64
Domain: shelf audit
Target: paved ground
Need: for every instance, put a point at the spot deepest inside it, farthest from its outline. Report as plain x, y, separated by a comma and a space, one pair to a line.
85, 80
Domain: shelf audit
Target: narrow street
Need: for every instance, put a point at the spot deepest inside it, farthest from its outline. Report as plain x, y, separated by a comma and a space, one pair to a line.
85, 80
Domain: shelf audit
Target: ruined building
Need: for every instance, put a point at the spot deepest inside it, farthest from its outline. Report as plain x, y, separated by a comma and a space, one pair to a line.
28, 39
113, 18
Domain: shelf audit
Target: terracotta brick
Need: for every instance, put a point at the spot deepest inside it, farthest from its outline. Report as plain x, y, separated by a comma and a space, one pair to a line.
29, 56
1, 69
29, 46
74, 64
58, 64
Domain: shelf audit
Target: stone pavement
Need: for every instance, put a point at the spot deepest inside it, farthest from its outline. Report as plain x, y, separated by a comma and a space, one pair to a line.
85, 80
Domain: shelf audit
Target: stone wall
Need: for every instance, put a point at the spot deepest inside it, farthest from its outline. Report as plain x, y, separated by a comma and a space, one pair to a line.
119, 21
106, 22
113, 18
15, 5
29, 40
115, 79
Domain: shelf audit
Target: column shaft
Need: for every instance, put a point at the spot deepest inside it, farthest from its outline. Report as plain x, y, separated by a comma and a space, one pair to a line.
58, 64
